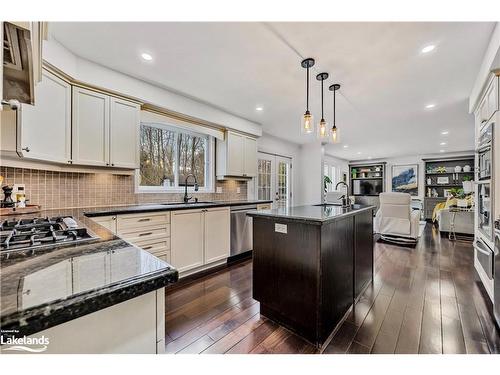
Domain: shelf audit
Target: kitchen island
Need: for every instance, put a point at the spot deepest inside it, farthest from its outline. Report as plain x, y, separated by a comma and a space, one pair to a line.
309, 265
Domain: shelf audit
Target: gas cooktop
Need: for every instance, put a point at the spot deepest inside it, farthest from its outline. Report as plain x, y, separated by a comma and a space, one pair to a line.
31, 233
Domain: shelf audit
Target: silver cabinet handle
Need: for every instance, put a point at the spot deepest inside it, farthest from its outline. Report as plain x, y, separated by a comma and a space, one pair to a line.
480, 248
145, 234
147, 247
145, 219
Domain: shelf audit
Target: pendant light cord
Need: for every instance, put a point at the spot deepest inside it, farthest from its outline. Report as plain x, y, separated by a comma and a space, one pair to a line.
334, 92
307, 89
322, 115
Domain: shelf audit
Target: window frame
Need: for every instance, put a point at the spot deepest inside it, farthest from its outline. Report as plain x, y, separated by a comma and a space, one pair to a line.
209, 163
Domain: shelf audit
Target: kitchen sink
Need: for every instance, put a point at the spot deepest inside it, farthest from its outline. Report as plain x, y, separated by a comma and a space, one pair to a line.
328, 204
182, 203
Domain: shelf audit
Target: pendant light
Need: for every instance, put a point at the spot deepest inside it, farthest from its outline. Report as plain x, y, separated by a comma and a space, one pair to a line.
323, 131
334, 132
307, 122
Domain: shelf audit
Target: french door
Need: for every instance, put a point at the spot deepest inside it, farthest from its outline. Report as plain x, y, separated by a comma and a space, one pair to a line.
274, 179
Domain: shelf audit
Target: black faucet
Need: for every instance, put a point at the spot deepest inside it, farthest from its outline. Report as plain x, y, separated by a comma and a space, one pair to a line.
345, 198
186, 198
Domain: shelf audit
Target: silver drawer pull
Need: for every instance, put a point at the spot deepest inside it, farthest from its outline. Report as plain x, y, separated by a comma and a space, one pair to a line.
147, 247
145, 219
145, 234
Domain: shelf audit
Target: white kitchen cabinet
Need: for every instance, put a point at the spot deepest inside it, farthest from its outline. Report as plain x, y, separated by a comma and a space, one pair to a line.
108, 222
236, 156
124, 133
216, 234
105, 130
46, 127
250, 157
90, 127
187, 239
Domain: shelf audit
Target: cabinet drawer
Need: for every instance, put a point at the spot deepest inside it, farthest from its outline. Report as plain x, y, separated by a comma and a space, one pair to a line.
133, 221
145, 233
154, 245
264, 206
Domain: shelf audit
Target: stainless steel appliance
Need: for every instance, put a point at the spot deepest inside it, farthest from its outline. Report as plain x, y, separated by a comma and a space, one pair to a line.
241, 229
485, 152
484, 211
485, 257
496, 274
32, 233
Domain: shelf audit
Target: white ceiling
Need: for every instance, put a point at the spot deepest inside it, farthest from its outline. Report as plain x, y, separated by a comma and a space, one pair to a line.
386, 80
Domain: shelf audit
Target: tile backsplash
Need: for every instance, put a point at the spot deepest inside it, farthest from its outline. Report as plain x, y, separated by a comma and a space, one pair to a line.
71, 189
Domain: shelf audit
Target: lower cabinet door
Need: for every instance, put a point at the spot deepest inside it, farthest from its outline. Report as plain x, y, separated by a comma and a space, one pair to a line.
217, 234
363, 251
187, 239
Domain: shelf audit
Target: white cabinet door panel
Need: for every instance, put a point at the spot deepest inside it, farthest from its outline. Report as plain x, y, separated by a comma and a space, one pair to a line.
217, 234
90, 127
46, 126
187, 239
250, 157
124, 133
235, 154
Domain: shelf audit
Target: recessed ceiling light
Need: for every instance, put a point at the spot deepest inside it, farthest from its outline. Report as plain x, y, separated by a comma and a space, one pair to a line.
259, 108
428, 48
359, 152
345, 146
146, 56
430, 106
445, 132
442, 144
441, 150
369, 157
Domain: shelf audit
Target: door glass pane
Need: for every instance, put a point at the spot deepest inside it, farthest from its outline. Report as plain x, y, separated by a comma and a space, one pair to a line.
264, 179
283, 188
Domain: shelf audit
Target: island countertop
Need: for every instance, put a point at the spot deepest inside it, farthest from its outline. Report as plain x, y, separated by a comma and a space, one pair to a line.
46, 286
312, 214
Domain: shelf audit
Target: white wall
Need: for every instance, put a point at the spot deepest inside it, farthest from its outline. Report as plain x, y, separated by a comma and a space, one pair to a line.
310, 162
413, 159
100, 76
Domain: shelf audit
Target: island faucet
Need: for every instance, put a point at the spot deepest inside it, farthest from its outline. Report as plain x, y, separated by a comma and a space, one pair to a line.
186, 198
345, 197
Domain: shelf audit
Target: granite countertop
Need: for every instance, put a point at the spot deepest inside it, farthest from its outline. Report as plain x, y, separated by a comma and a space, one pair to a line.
316, 215
47, 286
139, 208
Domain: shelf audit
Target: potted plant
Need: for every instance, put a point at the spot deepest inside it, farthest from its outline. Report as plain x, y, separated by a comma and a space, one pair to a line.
461, 197
467, 184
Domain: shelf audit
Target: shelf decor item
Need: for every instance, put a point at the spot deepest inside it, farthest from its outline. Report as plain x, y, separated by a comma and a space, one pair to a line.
443, 180
405, 179
323, 131
467, 168
458, 169
334, 132
307, 121
467, 184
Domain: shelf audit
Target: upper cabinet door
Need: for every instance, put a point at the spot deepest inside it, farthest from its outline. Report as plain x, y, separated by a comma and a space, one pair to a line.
90, 127
124, 133
46, 126
235, 154
250, 169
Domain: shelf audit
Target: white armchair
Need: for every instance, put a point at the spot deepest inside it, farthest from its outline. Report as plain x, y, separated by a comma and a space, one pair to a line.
395, 220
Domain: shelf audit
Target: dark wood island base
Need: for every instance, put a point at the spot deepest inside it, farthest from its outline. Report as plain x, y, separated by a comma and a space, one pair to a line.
309, 265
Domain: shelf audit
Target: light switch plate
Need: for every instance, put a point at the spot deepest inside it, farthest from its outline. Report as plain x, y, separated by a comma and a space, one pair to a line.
281, 228
219, 189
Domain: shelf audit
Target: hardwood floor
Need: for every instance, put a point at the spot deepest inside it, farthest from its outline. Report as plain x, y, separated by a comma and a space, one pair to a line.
422, 300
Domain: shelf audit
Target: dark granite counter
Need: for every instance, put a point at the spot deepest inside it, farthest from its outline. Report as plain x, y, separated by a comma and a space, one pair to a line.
50, 285
318, 215
139, 208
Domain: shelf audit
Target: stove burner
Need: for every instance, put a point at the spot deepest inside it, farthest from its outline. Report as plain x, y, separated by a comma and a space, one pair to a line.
27, 233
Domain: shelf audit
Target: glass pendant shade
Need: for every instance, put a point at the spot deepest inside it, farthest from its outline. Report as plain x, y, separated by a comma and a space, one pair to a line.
307, 123
323, 131
335, 134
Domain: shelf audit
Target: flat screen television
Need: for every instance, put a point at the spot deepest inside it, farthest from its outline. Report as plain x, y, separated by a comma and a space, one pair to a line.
367, 187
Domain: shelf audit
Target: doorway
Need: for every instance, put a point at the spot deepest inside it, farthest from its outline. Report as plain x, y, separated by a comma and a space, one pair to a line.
274, 179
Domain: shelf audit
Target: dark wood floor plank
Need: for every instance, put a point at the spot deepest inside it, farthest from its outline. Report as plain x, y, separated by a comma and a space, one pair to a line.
254, 338
369, 329
357, 348
409, 334
342, 339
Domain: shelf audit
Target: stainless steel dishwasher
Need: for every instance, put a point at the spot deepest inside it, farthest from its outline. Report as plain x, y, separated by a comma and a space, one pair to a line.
241, 229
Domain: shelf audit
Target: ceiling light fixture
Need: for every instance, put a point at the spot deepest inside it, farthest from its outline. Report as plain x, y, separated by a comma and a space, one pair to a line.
445, 132
146, 56
430, 106
346, 146
428, 48
335, 136
307, 122
259, 109
442, 144
359, 152
323, 131
441, 150
369, 157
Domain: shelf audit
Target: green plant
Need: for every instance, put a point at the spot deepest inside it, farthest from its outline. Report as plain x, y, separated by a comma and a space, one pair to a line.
457, 193
326, 181
467, 178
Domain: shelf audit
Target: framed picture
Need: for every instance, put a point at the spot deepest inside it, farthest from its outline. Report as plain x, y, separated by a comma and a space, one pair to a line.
446, 193
405, 179
443, 180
